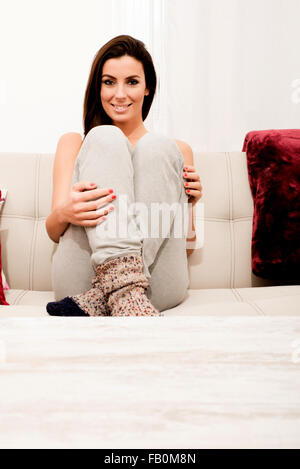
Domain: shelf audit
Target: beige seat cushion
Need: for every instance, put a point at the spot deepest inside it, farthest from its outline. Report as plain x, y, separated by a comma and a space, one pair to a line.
270, 301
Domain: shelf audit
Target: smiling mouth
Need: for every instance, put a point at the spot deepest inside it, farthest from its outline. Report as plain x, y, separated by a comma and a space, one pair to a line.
121, 107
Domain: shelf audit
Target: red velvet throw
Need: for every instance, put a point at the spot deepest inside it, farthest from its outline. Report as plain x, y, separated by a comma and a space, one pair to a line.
273, 160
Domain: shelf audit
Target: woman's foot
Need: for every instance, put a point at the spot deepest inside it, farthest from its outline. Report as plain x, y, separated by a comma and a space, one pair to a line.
131, 301
90, 303
65, 307
124, 286
119, 289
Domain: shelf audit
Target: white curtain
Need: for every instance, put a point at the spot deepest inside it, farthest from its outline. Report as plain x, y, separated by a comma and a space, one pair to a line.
232, 66
224, 67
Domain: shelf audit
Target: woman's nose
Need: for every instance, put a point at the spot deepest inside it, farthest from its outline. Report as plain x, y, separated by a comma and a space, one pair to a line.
120, 92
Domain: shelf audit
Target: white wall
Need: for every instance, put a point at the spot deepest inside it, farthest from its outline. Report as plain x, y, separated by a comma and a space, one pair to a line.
46, 51
47, 48
224, 67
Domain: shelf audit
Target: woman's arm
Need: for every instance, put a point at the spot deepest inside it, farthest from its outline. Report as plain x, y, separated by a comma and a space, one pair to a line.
188, 157
55, 226
191, 237
66, 152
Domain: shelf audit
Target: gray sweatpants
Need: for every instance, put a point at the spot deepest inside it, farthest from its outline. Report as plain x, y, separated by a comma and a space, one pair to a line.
144, 178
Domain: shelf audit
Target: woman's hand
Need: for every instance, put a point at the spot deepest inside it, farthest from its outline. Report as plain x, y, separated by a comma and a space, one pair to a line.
192, 184
83, 202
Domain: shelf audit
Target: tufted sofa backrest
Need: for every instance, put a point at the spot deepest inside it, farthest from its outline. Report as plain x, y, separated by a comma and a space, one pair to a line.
224, 260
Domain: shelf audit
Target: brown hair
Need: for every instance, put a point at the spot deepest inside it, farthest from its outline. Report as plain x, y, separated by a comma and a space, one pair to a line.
93, 112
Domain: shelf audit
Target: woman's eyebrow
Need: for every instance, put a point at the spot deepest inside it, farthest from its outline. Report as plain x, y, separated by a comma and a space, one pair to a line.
110, 76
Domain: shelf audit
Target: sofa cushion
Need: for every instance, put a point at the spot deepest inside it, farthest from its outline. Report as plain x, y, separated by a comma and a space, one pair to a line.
24, 237
255, 301
273, 159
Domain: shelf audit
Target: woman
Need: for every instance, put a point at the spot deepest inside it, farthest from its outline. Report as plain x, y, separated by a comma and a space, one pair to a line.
133, 274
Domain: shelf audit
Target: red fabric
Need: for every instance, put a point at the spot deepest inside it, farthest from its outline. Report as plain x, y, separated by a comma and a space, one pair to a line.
2, 296
273, 161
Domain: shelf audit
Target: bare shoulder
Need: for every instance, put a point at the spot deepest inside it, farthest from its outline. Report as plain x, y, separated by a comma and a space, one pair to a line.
186, 151
68, 147
67, 150
70, 140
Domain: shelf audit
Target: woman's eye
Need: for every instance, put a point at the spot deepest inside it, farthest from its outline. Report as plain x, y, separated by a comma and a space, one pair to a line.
110, 81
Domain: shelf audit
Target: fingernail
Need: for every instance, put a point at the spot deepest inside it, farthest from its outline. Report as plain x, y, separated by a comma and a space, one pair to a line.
188, 192
113, 197
93, 185
111, 191
185, 174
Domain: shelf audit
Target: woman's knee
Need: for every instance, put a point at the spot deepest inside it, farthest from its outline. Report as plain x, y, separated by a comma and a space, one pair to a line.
108, 137
100, 132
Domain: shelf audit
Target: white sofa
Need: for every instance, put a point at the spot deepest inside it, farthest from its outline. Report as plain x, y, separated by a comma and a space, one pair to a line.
221, 281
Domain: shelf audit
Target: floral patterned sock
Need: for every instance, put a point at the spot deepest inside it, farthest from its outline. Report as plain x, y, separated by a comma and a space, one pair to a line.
124, 285
90, 303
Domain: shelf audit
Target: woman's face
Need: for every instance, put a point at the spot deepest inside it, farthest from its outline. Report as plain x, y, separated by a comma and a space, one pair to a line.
123, 88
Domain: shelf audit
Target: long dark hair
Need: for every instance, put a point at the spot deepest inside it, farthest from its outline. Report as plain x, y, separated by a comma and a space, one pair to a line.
93, 112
